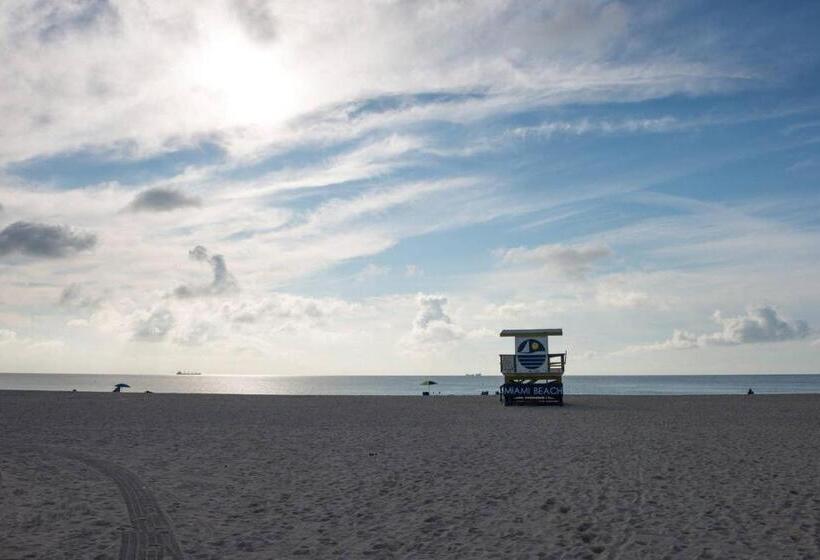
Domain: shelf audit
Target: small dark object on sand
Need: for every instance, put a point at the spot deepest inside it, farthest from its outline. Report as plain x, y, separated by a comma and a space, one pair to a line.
425, 393
750, 392
484, 393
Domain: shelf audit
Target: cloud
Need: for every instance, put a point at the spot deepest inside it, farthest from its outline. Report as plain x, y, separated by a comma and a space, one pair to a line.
43, 240
154, 327
587, 126
339, 212
160, 75
223, 281
371, 271
432, 325
256, 18
76, 296
572, 261
55, 22
275, 308
758, 325
7, 336
680, 340
373, 158
201, 332
624, 299
162, 200
630, 290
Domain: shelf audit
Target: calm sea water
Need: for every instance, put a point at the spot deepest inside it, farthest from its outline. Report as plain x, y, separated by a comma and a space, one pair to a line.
411, 385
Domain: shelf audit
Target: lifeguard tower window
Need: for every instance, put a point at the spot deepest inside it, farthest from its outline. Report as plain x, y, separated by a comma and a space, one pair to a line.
532, 375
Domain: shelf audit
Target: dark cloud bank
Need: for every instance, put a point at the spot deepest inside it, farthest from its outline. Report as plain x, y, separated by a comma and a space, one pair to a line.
162, 200
43, 240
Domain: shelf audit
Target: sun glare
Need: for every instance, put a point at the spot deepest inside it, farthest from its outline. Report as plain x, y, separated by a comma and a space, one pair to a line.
248, 83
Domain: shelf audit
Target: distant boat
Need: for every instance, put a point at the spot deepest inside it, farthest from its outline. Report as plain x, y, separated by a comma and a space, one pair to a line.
189, 373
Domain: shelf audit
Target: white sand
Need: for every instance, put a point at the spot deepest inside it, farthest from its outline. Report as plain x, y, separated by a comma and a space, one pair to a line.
411, 477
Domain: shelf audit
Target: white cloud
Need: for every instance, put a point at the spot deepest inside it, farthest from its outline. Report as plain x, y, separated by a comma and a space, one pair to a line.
197, 334
624, 299
151, 76
339, 212
7, 336
370, 160
573, 261
371, 271
432, 326
589, 126
758, 325
155, 327
413, 270
278, 307
28, 345
631, 290
335, 150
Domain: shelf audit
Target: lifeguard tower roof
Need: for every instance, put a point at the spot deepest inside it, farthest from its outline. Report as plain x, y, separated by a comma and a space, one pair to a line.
532, 332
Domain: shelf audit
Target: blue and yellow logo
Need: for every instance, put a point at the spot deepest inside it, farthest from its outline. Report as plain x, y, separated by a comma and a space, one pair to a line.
531, 354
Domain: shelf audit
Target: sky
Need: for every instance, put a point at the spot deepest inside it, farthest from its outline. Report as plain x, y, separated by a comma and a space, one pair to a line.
295, 188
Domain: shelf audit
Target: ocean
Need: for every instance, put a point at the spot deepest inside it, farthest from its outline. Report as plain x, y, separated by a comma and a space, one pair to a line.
412, 384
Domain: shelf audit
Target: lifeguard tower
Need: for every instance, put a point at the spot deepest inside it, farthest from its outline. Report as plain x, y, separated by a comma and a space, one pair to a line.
532, 375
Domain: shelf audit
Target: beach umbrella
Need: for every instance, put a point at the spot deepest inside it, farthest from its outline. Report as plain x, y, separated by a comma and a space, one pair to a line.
429, 382
123, 385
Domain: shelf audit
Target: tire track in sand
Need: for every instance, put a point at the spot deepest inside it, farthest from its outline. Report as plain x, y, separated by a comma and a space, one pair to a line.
153, 535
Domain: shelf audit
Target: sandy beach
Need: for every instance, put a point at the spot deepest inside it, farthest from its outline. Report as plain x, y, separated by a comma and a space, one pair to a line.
90, 475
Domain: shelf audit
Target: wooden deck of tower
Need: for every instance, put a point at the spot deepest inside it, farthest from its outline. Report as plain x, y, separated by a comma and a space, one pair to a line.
532, 375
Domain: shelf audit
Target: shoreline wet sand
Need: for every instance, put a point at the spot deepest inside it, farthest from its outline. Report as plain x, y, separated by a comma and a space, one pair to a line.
408, 477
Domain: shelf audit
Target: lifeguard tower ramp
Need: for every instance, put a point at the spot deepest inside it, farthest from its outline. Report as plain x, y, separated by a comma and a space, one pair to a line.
532, 375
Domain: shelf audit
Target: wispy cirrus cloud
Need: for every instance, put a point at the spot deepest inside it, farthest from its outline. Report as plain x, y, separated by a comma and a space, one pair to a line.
589, 126
161, 75
164, 126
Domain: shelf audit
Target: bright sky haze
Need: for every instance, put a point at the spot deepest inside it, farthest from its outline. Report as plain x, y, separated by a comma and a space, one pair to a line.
290, 187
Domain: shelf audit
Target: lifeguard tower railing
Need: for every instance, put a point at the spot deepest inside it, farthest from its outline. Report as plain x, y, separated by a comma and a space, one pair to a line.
557, 363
